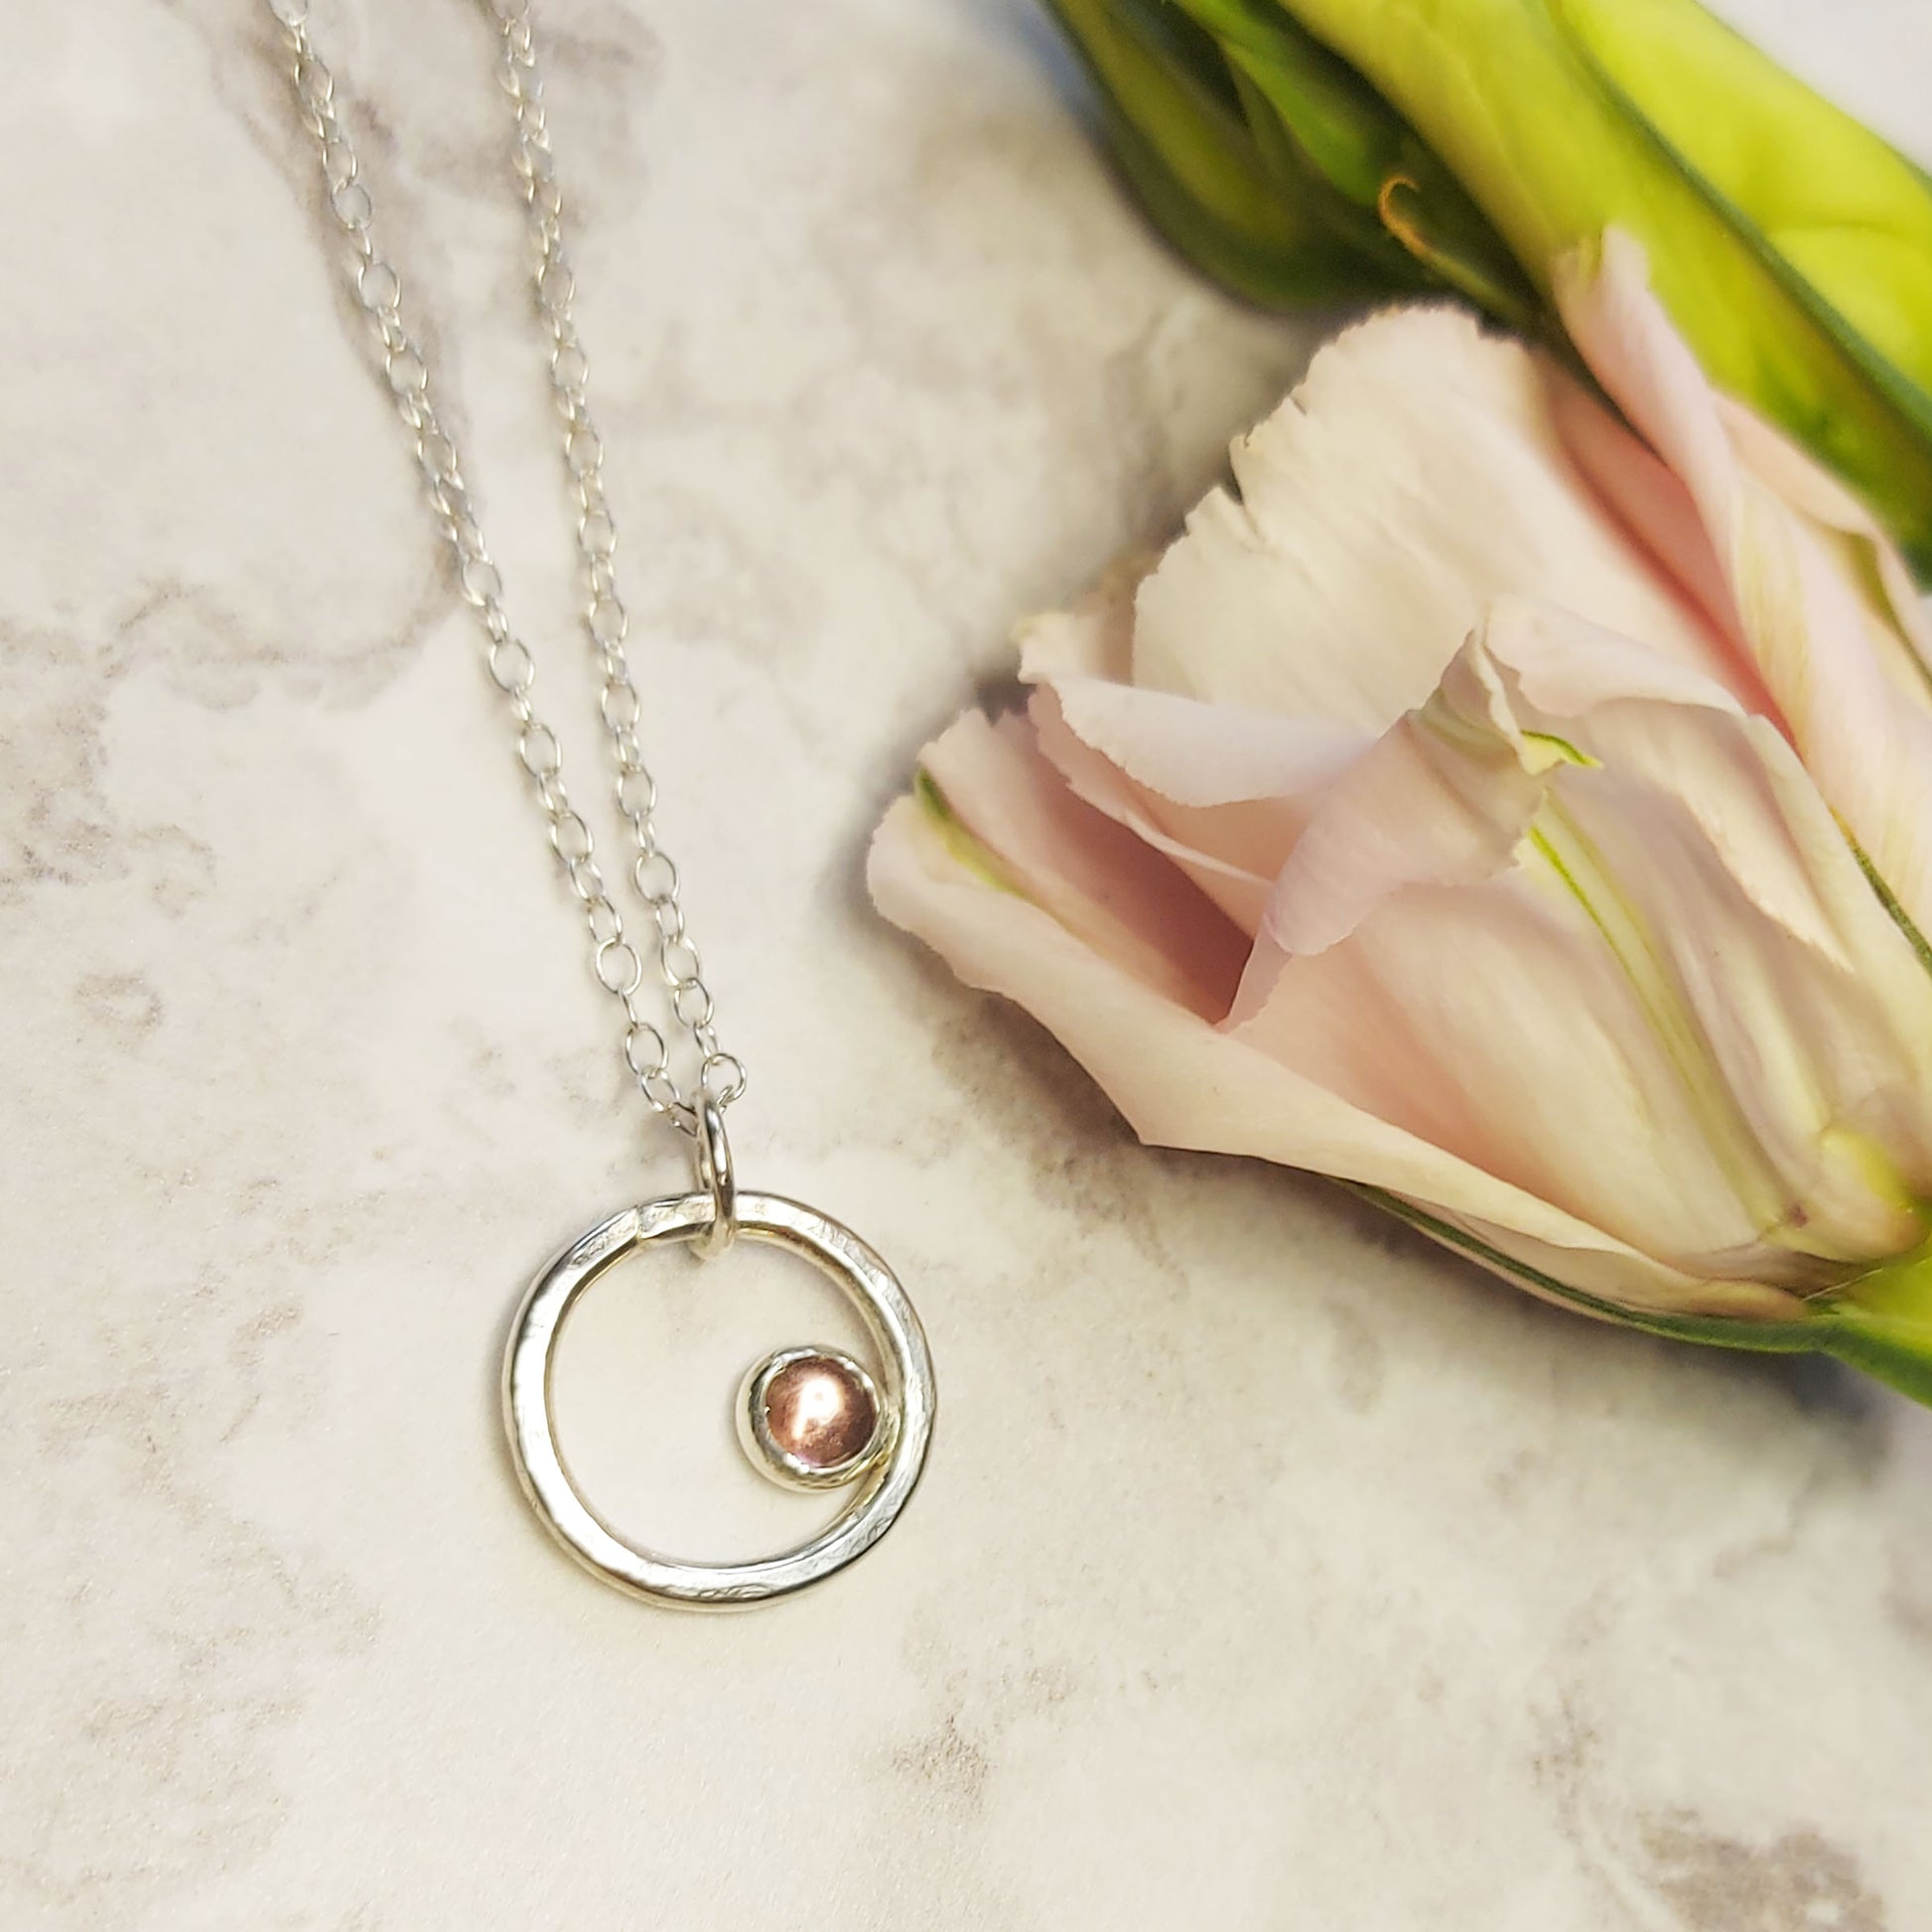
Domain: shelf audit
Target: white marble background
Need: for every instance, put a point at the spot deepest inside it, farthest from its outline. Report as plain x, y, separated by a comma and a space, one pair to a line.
1273, 1572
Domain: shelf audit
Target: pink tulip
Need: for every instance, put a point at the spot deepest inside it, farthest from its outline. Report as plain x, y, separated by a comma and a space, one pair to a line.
1515, 809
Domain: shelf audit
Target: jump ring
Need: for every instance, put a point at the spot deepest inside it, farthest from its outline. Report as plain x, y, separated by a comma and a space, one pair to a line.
716, 1178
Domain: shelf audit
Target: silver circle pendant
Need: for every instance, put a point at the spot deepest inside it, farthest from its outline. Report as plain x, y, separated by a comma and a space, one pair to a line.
811, 1417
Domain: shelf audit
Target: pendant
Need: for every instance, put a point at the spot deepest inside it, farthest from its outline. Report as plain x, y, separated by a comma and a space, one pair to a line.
810, 1418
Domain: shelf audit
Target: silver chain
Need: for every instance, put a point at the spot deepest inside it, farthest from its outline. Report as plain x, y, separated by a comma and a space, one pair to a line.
618, 965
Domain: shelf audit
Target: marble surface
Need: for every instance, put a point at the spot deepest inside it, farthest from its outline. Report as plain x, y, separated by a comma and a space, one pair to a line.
1272, 1571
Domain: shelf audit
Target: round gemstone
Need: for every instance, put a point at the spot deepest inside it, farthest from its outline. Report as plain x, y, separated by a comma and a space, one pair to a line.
820, 1411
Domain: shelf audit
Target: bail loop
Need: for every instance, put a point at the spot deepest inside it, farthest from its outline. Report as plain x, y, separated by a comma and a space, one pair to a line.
717, 1179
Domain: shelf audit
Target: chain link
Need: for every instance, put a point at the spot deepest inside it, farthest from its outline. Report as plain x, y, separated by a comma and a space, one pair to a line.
619, 966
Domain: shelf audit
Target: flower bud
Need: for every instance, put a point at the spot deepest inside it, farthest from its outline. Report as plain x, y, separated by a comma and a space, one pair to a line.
1516, 808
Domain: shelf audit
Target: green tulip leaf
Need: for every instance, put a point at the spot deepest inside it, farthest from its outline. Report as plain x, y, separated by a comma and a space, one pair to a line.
1436, 231
1850, 217
1524, 114
1286, 162
1840, 217
1342, 151
1178, 131
1347, 134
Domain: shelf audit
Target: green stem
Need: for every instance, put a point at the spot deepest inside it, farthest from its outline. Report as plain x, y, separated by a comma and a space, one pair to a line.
1883, 1324
1879, 1323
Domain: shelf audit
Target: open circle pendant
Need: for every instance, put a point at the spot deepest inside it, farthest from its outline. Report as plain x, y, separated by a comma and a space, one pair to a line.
809, 1417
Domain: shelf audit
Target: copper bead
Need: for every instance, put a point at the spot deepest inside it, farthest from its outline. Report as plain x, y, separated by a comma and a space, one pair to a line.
809, 1418
819, 1413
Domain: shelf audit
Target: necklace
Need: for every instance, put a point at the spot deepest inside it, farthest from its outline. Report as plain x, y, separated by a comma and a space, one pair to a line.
811, 1417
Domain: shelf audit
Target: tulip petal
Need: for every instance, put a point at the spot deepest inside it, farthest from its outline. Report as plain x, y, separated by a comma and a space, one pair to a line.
1191, 752
1099, 881
1416, 475
1677, 1009
1789, 474
1181, 1082
1817, 593
1534, 1058
1224, 792
1631, 477
1224, 851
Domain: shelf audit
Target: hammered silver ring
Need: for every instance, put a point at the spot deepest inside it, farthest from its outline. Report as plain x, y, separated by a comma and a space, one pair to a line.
905, 1375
